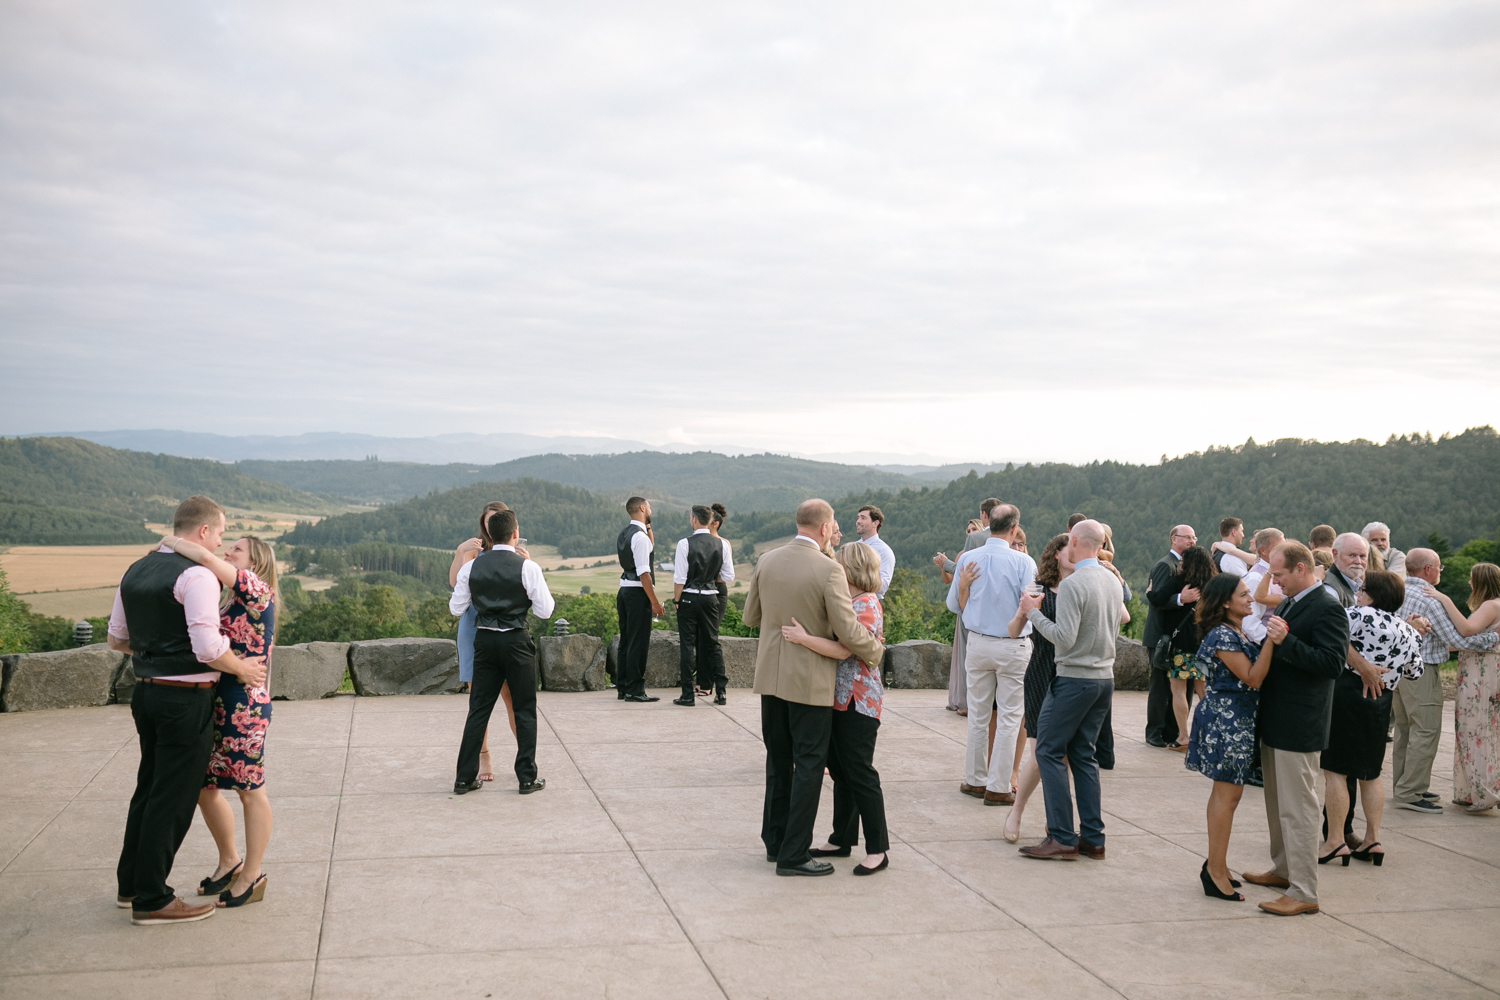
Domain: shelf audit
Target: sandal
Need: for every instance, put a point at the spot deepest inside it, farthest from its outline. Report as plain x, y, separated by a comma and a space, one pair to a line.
1370, 854
486, 770
213, 886
254, 894
1341, 852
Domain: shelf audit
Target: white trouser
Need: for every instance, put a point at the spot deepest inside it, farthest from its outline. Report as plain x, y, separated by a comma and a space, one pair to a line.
996, 673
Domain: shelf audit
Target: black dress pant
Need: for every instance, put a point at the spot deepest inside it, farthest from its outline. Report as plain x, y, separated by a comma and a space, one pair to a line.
501, 658
1104, 747
698, 635
634, 609
856, 783
796, 749
1161, 721
175, 726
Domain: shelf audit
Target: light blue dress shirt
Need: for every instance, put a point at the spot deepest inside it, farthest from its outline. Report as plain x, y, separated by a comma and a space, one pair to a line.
1004, 576
887, 561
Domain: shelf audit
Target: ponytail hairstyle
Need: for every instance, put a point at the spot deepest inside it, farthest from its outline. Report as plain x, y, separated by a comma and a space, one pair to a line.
720, 512
485, 541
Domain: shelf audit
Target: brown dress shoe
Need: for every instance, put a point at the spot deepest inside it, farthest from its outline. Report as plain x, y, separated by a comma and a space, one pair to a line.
1286, 906
175, 912
1051, 850
1266, 878
999, 798
1095, 851
975, 790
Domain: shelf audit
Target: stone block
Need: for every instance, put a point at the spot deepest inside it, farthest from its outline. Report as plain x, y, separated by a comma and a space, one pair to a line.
308, 671
565, 661
663, 666
918, 663
404, 666
739, 660
67, 678
1132, 665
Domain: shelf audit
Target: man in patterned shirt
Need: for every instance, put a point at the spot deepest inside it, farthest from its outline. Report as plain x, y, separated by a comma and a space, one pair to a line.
1418, 707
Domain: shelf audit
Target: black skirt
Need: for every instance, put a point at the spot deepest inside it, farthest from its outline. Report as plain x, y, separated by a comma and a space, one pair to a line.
1356, 742
1042, 668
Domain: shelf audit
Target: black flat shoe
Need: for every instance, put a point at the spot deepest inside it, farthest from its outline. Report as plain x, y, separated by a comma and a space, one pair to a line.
213, 886
837, 852
533, 786
463, 787
643, 698
685, 702
808, 867
885, 863
1345, 856
254, 894
1369, 854
1214, 892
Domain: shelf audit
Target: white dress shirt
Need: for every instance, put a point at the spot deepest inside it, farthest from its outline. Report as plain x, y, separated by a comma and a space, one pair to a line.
887, 561
1232, 564
640, 548
531, 578
680, 566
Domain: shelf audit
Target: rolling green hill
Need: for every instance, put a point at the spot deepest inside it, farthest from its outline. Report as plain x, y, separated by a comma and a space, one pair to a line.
743, 483
26, 523
83, 476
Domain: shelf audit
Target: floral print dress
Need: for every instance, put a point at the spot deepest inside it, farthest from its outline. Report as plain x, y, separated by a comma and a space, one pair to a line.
856, 683
1476, 729
1223, 741
241, 715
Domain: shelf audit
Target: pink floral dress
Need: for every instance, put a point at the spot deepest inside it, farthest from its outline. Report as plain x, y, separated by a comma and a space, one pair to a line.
857, 683
241, 715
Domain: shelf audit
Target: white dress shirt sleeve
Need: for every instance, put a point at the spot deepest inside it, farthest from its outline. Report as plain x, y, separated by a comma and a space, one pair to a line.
535, 583
887, 566
462, 598
117, 627
1254, 628
197, 590
679, 564
640, 548
726, 572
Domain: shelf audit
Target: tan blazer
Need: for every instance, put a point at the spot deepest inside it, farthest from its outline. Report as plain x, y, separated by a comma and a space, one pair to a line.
798, 581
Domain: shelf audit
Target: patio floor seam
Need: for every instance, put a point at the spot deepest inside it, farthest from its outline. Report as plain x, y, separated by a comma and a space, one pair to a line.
332, 846
1425, 961
64, 808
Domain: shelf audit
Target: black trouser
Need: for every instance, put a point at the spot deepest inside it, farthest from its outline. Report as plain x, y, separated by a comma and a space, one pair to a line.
1161, 721
796, 749
501, 658
699, 642
1104, 748
634, 609
175, 726
856, 783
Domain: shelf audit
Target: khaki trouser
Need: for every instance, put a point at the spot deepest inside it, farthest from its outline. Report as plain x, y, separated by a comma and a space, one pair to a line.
1417, 713
996, 672
1294, 817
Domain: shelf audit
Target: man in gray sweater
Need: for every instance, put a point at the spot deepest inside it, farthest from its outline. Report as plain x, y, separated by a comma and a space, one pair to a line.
1089, 609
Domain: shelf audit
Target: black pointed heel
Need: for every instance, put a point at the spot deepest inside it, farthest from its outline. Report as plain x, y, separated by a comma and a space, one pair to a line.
1370, 854
1344, 858
1213, 891
254, 894
213, 886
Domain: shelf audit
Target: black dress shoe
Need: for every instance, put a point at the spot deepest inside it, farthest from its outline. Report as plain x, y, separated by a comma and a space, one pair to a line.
808, 867
838, 852
885, 863
642, 697
1159, 744
619, 695
463, 787
719, 699
533, 786
770, 857
687, 702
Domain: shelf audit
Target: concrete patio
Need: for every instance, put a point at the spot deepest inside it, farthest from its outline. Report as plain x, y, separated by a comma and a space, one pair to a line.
639, 873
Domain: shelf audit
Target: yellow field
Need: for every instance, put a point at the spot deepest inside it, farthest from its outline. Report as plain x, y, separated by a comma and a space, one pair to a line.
74, 604
36, 568
605, 579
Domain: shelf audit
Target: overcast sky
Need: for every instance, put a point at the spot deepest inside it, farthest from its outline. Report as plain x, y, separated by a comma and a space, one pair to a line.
974, 231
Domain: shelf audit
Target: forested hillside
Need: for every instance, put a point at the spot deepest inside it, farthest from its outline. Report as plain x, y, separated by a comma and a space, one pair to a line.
743, 483
80, 475
26, 523
1450, 487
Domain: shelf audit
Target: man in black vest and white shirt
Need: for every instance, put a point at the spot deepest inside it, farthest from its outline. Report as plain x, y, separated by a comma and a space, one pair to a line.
702, 561
166, 615
636, 601
504, 586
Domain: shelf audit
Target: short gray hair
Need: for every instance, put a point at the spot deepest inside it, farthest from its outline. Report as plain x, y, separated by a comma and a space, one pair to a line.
1341, 541
1375, 526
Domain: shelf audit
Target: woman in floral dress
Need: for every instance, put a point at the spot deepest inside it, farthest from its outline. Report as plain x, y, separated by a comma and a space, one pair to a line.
1476, 704
857, 695
241, 717
1223, 744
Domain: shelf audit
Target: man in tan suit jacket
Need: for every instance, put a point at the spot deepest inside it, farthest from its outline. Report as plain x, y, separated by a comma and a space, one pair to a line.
795, 684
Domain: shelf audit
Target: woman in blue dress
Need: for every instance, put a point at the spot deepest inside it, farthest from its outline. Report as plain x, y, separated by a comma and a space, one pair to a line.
467, 627
1223, 736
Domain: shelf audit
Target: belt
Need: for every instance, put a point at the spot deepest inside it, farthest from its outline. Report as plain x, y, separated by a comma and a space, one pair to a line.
1006, 638
690, 590
177, 684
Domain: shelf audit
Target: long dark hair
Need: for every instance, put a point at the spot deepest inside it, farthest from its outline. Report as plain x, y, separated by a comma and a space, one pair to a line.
1048, 572
1213, 606
486, 542
1197, 568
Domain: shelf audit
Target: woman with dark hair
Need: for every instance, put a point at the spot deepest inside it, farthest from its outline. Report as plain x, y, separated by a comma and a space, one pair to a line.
1196, 570
467, 629
1223, 746
1362, 712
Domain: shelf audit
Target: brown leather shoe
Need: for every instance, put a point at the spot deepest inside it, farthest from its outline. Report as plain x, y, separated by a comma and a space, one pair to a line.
999, 798
175, 912
1286, 906
1051, 850
975, 790
1266, 878
123, 902
1094, 851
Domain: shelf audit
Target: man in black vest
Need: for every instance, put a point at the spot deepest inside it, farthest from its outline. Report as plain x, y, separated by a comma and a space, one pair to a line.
1166, 596
166, 615
636, 601
504, 586
700, 564
1311, 633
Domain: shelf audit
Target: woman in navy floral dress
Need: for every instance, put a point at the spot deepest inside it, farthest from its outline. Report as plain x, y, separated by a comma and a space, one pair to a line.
241, 718
1223, 735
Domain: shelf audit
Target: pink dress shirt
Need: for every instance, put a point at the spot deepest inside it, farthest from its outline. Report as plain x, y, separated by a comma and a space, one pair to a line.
197, 590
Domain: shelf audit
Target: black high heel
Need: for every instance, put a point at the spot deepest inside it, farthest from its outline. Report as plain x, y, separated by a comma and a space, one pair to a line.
1335, 854
1214, 892
254, 894
213, 886
1370, 854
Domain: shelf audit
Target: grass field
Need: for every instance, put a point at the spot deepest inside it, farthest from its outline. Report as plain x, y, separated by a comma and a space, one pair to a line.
582, 571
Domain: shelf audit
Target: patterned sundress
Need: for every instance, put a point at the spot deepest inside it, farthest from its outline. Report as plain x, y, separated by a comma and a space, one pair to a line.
241, 715
1223, 738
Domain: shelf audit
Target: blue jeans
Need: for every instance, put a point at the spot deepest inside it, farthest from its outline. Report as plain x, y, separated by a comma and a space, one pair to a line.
1068, 726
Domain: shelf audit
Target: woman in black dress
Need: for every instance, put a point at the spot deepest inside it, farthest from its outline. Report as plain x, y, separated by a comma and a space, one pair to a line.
1052, 567
1196, 570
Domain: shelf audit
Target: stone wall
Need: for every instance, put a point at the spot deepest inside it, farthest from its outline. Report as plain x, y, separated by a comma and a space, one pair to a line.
404, 666
68, 678
309, 670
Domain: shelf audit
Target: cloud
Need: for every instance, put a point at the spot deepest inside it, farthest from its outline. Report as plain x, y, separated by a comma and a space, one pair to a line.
768, 224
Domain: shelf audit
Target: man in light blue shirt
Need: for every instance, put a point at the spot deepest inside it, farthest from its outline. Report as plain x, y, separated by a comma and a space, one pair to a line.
867, 524
986, 592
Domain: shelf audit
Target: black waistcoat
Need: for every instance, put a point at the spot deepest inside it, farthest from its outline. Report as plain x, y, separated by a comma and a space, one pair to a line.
705, 558
495, 587
629, 570
157, 623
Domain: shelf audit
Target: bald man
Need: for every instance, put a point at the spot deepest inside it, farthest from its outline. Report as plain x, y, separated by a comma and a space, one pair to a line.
1164, 595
